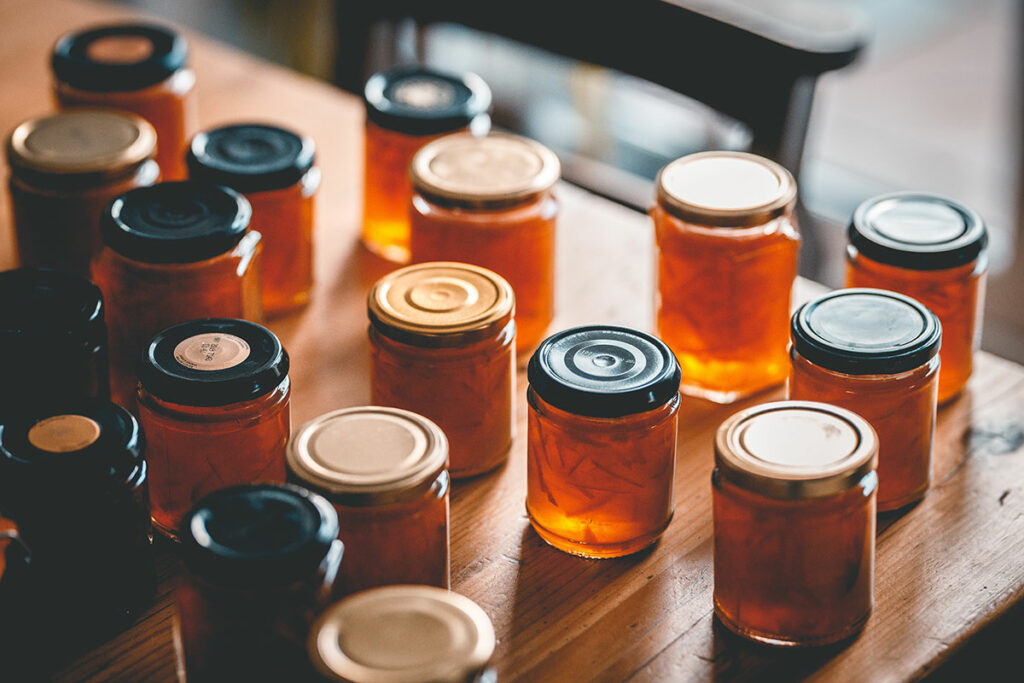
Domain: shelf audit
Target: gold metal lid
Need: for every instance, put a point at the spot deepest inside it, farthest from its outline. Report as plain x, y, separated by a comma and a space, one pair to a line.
796, 449
441, 303
402, 634
368, 455
483, 172
728, 189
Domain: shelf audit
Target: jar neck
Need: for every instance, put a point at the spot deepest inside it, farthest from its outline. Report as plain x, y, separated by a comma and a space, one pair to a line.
397, 501
240, 410
920, 373
860, 490
971, 269
318, 581
400, 342
642, 420
784, 223
145, 172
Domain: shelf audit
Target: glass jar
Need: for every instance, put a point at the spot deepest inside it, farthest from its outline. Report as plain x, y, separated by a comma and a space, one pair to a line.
727, 259
214, 399
448, 328
173, 252
407, 107
875, 353
488, 201
65, 169
404, 633
793, 502
934, 250
385, 471
138, 68
273, 168
260, 561
601, 441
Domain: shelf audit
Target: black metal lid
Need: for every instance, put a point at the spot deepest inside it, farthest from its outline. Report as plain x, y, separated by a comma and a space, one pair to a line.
258, 535
38, 305
250, 157
140, 55
418, 100
604, 371
176, 222
866, 332
213, 362
918, 231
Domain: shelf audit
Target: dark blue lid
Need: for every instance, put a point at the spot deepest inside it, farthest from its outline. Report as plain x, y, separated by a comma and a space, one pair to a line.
78, 58
250, 157
39, 305
418, 100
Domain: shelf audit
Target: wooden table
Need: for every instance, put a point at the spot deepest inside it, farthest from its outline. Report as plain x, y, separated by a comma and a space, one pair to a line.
946, 571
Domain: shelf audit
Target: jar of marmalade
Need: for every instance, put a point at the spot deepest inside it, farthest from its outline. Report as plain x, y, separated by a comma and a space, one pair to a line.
65, 170
214, 401
407, 107
382, 635
488, 201
173, 252
875, 353
273, 168
448, 328
259, 561
601, 442
138, 68
793, 498
932, 249
727, 248
385, 471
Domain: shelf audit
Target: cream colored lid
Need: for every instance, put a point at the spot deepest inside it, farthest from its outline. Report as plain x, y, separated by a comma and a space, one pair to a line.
64, 433
403, 634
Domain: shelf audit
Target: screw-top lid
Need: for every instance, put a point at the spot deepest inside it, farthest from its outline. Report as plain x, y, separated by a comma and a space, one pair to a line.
369, 455
258, 535
604, 371
918, 231
726, 189
213, 362
41, 305
176, 222
250, 157
418, 100
483, 172
402, 634
119, 57
866, 332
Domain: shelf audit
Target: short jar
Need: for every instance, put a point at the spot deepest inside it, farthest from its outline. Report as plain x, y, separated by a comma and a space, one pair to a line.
793, 502
727, 258
875, 353
214, 399
601, 441
442, 344
385, 471
931, 249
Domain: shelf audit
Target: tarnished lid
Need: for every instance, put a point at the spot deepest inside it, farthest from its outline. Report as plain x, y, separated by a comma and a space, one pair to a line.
400, 634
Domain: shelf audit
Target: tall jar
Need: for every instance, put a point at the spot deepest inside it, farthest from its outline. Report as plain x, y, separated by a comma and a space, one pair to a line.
931, 249
875, 353
442, 340
65, 169
137, 68
727, 259
407, 107
274, 169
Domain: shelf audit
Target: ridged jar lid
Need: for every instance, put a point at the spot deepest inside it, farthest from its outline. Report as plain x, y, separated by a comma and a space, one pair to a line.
418, 100
250, 157
118, 57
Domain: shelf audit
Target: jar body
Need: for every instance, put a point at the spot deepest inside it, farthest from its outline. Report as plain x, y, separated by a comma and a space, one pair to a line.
50, 368
901, 408
600, 487
793, 572
723, 303
955, 295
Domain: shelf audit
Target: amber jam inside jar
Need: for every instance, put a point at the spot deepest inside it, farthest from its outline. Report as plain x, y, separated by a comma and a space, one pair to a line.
601, 442
173, 252
442, 340
875, 353
137, 68
407, 107
214, 401
727, 258
932, 249
379, 635
385, 471
793, 496
273, 168
260, 561
65, 169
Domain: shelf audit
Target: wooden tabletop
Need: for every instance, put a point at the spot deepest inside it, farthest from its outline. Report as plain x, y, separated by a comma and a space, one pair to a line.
946, 570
